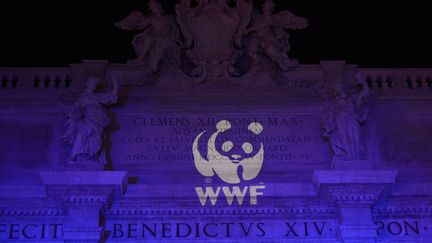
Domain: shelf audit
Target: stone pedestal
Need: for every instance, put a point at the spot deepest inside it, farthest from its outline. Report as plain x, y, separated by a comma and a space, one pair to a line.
85, 166
86, 196
354, 193
353, 165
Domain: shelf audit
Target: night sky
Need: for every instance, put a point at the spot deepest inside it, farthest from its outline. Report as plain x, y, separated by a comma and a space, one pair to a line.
368, 33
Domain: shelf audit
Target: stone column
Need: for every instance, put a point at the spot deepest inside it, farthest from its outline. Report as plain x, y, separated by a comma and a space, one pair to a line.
354, 193
86, 196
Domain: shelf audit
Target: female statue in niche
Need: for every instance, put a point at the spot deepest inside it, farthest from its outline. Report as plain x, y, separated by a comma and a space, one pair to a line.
342, 118
86, 122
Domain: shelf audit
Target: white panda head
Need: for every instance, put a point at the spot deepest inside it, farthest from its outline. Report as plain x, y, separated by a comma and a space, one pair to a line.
224, 160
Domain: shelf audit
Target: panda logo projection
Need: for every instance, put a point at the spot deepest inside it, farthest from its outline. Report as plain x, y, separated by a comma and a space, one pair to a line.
226, 166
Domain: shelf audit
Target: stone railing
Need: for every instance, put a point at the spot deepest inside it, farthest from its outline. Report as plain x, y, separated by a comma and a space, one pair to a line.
35, 78
408, 79
73, 77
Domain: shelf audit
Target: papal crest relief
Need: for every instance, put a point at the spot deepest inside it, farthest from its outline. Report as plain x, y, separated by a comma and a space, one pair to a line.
213, 39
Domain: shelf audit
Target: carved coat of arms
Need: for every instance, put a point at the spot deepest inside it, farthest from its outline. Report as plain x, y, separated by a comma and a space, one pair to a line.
213, 39
213, 33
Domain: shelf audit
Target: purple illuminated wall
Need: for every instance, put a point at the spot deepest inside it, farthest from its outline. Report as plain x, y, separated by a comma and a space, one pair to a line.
105, 152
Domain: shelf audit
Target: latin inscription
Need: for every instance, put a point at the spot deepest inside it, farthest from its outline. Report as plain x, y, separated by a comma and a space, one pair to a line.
225, 230
31, 231
400, 228
147, 140
217, 230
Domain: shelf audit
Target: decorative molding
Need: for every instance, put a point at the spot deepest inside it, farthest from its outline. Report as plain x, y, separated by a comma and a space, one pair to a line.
262, 211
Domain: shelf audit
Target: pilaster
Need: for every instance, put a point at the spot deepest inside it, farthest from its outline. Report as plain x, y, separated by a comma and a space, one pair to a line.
86, 196
354, 193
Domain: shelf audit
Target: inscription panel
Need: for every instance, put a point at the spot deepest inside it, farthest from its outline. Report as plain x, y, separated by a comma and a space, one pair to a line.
162, 144
224, 229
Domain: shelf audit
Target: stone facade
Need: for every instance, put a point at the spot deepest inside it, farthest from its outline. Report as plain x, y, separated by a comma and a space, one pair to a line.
382, 197
343, 151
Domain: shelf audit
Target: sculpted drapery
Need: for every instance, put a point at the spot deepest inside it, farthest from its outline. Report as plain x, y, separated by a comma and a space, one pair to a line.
341, 119
86, 122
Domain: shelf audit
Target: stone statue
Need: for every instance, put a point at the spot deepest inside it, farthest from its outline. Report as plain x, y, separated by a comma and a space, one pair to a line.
268, 36
86, 122
341, 119
157, 39
212, 40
